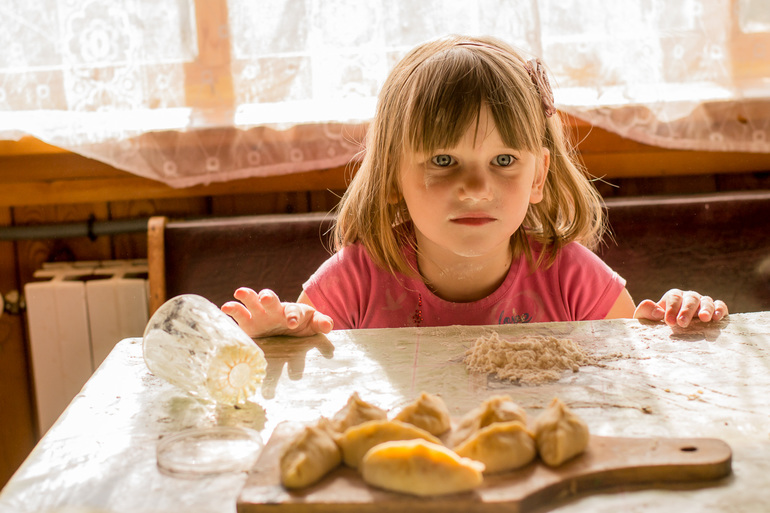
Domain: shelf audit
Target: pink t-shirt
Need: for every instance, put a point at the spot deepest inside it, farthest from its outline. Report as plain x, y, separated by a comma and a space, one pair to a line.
356, 293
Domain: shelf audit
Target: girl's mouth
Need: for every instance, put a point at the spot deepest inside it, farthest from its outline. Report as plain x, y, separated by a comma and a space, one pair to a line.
473, 220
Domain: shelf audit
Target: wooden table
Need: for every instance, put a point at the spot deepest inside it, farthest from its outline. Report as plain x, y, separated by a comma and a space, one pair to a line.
703, 381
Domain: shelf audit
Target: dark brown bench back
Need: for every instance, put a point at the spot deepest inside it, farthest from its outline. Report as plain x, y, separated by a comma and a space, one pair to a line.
716, 244
213, 257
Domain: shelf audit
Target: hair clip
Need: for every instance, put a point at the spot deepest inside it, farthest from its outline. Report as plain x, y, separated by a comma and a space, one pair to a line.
540, 79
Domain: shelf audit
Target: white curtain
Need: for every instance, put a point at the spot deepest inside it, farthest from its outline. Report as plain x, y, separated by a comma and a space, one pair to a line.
190, 92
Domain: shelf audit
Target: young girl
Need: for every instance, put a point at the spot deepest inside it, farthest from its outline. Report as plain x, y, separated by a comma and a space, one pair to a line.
468, 208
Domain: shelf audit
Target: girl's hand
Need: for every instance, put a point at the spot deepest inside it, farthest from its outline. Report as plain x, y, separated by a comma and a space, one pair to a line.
678, 308
264, 315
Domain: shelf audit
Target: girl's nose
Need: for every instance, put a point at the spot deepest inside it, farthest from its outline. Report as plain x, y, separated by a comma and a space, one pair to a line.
475, 185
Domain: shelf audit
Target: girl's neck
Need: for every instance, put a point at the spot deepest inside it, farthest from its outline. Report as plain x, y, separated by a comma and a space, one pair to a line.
463, 279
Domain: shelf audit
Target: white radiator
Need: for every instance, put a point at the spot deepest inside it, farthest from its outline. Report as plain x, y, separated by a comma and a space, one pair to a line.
76, 313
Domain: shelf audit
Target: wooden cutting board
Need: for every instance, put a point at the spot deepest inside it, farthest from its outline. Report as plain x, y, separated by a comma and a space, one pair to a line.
609, 462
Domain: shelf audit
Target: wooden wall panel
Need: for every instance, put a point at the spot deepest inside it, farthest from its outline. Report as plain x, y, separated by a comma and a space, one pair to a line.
134, 245
254, 204
7, 259
325, 201
17, 432
744, 181
275, 203
32, 253
624, 187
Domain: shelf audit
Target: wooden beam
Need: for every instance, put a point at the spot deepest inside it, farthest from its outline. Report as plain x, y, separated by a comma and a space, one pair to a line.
156, 261
33, 173
673, 163
208, 79
125, 186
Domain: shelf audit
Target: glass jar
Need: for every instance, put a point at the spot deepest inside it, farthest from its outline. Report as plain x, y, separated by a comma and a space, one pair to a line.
192, 344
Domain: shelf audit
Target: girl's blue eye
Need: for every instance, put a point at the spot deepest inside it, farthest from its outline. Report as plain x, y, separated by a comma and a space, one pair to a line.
504, 160
442, 160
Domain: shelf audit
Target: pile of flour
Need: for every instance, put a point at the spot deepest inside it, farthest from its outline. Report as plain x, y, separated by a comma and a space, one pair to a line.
529, 360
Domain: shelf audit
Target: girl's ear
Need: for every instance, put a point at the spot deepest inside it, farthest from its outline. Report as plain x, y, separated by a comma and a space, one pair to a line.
541, 172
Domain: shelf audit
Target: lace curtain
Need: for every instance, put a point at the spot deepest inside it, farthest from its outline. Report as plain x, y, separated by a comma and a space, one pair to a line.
193, 91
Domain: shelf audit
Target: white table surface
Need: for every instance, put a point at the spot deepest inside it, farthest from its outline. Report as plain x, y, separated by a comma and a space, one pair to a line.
703, 381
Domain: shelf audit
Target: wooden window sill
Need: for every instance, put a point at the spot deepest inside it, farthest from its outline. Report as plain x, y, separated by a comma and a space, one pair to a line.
35, 173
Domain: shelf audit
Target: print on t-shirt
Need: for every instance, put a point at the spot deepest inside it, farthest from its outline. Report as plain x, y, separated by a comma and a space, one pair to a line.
522, 308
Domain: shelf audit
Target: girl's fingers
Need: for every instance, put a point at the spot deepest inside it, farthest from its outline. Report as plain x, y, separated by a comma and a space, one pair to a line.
707, 308
720, 310
322, 323
268, 297
689, 308
249, 298
306, 320
648, 309
237, 311
293, 313
672, 302
678, 308
263, 314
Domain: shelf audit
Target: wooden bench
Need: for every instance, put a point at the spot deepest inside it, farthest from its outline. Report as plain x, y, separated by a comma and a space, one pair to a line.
213, 257
716, 244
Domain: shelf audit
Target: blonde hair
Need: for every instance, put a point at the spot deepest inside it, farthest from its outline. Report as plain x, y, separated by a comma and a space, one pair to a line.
427, 102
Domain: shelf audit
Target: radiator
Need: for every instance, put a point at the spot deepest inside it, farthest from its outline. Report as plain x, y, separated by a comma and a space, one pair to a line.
76, 313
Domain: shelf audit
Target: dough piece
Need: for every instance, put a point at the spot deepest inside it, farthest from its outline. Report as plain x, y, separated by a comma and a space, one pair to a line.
498, 408
428, 412
355, 412
559, 434
421, 468
309, 456
357, 440
500, 446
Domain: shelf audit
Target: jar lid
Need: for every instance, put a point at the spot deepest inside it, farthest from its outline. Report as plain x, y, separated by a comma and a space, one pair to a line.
201, 452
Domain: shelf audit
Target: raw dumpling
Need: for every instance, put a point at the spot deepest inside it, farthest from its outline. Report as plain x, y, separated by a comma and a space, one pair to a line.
357, 440
355, 412
310, 456
559, 434
428, 412
500, 446
420, 468
499, 408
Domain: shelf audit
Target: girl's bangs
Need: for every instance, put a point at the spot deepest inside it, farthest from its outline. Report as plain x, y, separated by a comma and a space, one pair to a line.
448, 91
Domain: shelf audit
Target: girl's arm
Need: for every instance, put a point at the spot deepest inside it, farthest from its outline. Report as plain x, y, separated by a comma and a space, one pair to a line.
264, 315
676, 307
623, 308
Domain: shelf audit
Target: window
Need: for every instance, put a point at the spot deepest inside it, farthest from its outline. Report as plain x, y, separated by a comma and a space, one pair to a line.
193, 91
